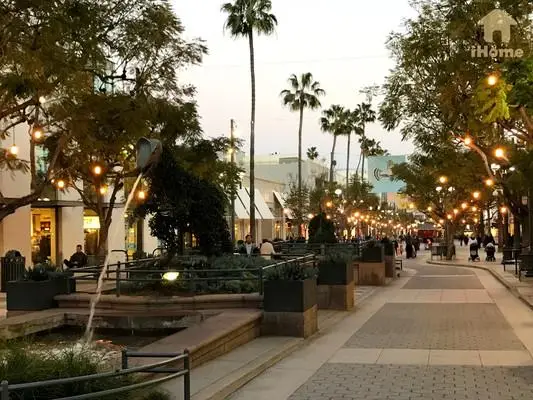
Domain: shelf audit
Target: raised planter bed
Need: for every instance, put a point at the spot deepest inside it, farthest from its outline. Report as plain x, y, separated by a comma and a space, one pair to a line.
36, 295
335, 286
290, 308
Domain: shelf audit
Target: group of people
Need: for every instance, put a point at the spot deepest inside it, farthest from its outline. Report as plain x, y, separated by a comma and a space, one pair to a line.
248, 247
412, 245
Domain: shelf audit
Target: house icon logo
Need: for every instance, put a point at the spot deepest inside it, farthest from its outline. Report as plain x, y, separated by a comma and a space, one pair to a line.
497, 21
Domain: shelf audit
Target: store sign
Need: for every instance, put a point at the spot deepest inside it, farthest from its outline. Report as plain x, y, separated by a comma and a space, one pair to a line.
91, 223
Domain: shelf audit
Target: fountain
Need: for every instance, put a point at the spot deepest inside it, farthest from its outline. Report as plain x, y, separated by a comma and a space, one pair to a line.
148, 154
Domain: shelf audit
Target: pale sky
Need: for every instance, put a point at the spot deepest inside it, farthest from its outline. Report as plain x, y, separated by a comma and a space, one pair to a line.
341, 42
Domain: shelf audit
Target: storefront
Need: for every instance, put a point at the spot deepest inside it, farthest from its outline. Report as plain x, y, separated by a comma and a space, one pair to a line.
91, 231
43, 235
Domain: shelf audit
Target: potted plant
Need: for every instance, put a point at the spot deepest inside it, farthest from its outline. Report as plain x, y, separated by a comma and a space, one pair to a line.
290, 288
336, 282
373, 253
37, 289
290, 300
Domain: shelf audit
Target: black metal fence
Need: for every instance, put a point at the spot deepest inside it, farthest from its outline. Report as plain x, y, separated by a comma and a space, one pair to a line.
133, 271
161, 367
12, 269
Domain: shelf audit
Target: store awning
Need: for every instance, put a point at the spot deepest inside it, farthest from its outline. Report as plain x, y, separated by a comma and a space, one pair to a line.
261, 208
240, 210
279, 197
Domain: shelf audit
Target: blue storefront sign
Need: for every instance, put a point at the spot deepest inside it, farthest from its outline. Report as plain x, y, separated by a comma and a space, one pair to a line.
380, 173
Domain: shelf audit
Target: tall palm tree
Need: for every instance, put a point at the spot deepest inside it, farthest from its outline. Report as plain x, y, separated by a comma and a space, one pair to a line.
302, 93
335, 120
354, 125
244, 17
366, 115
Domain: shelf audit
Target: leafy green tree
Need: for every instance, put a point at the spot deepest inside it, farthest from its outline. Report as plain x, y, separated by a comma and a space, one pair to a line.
321, 230
48, 51
244, 17
303, 93
298, 201
464, 175
336, 121
181, 203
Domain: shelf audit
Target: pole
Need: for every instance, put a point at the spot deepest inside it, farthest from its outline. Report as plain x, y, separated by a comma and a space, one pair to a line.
530, 218
232, 217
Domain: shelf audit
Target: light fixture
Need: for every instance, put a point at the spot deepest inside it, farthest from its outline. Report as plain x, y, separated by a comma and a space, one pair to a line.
329, 204
338, 192
37, 133
503, 210
103, 189
60, 184
464, 206
467, 141
141, 195
97, 170
499, 153
474, 209
489, 182
14, 149
449, 216
430, 209
455, 211
492, 79
443, 179
171, 276
476, 195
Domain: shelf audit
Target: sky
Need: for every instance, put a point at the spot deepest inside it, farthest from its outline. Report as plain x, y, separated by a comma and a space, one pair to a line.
341, 42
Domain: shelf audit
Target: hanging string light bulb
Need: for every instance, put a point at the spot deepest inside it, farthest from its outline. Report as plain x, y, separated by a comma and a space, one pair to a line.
14, 150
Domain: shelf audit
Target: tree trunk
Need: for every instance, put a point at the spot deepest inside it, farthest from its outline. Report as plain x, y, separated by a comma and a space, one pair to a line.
332, 158
358, 165
300, 206
252, 138
363, 154
348, 161
450, 233
33, 167
103, 235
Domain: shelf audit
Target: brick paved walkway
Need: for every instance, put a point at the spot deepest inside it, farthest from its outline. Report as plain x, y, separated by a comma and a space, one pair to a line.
439, 332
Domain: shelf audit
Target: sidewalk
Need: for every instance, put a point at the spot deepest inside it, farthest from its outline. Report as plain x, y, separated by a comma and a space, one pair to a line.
521, 289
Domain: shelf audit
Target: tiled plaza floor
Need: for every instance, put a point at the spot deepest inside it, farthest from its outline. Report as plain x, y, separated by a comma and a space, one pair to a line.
439, 332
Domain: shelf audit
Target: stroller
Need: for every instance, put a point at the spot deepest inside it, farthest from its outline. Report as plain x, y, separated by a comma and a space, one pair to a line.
474, 252
490, 250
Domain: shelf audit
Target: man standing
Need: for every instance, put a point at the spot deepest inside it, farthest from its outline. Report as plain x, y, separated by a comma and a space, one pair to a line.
78, 259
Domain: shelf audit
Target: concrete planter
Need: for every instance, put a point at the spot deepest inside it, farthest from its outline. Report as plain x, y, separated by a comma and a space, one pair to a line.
335, 286
32, 295
390, 266
373, 254
290, 308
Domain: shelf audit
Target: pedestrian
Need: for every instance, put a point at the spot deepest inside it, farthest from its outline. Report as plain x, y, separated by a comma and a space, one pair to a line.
249, 248
78, 259
267, 249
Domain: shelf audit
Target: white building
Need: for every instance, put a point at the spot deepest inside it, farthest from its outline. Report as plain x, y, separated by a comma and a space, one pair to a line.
52, 226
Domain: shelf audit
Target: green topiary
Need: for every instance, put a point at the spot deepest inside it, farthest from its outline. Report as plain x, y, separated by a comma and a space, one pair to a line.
321, 230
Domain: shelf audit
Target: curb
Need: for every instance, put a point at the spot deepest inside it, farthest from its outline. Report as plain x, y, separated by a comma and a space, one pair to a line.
256, 367
506, 284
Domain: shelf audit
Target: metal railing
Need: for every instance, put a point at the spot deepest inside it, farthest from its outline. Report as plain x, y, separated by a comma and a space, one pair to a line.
6, 389
126, 272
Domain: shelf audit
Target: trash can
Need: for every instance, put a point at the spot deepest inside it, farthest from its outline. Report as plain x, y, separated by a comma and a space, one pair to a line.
12, 269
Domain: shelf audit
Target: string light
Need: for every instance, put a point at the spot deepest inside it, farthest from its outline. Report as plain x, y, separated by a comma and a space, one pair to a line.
103, 190
61, 184
97, 170
14, 150
141, 195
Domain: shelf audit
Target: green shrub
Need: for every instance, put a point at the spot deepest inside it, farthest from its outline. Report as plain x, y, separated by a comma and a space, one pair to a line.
20, 364
290, 271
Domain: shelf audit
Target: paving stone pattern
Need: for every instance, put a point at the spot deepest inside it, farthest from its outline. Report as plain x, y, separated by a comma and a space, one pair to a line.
441, 270
392, 382
444, 282
442, 326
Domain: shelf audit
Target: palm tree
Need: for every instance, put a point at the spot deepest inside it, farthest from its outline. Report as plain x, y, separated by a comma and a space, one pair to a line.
335, 121
302, 93
244, 18
354, 125
312, 153
366, 115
